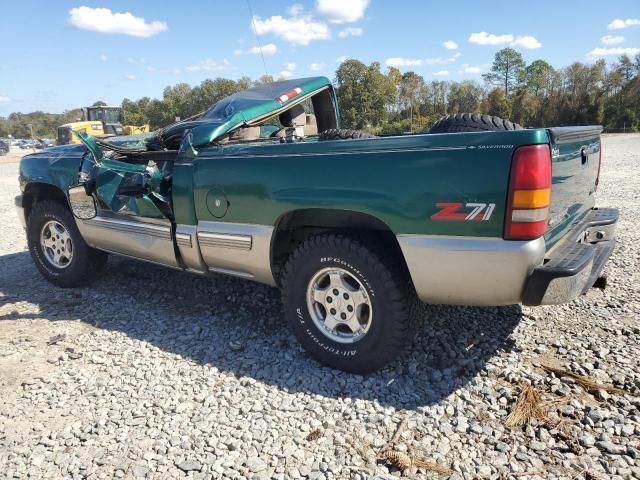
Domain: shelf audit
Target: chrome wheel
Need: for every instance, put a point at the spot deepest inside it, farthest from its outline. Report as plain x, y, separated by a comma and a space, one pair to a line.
339, 305
56, 244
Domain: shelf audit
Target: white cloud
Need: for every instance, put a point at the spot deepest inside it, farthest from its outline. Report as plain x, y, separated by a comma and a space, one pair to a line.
295, 30
342, 11
403, 62
612, 40
4, 99
473, 69
450, 44
130, 77
524, 41
295, 9
284, 75
442, 61
441, 73
103, 58
177, 71
484, 38
104, 20
131, 60
604, 52
341, 59
209, 65
268, 49
350, 32
316, 67
619, 24
291, 66
417, 62
151, 69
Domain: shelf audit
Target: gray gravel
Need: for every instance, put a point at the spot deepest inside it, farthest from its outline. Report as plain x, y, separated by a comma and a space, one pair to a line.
160, 374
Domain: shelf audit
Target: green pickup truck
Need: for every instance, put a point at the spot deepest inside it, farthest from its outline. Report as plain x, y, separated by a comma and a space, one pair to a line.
351, 227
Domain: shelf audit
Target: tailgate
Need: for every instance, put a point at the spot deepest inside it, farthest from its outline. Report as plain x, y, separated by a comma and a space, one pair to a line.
575, 154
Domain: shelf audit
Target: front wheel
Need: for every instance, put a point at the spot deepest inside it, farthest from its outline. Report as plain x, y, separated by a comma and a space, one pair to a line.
58, 249
348, 306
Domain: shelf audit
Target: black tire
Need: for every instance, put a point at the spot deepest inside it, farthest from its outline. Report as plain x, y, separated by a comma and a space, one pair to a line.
387, 286
472, 122
343, 134
85, 265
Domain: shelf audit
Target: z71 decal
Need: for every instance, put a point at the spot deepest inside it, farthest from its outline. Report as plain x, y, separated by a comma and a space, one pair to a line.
451, 211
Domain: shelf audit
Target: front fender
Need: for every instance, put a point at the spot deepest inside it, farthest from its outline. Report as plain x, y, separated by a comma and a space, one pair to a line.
57, 166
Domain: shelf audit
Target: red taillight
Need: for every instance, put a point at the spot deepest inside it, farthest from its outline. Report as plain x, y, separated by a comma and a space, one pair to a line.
599, 165
529, 196
285, 97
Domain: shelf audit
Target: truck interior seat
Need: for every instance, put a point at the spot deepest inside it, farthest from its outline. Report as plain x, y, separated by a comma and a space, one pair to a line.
310, 125
244, 134
294, 118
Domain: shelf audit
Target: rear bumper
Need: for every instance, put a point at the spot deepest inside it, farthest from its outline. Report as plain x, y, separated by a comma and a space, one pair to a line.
20, 211
492, 271
572, 266
470, 271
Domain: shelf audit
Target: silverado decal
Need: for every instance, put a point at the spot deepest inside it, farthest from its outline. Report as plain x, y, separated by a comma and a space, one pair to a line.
450, 211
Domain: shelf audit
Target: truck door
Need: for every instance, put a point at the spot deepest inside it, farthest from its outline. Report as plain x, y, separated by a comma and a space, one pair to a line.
134, 215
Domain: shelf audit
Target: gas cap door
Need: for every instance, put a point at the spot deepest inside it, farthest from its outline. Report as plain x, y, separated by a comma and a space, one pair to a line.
217, 202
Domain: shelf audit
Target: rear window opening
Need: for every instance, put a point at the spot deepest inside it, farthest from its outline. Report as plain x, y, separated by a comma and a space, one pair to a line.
300, 122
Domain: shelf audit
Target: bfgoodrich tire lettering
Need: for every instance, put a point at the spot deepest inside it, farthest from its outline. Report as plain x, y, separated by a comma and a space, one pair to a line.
387, 288
86, 263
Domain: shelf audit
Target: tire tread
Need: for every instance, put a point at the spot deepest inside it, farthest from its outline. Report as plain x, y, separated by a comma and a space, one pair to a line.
472, 122
398, 294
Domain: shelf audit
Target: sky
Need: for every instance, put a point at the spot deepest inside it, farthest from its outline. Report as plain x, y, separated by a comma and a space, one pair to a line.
62, 54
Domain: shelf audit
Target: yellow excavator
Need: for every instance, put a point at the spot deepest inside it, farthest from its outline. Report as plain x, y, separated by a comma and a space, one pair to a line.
98, 121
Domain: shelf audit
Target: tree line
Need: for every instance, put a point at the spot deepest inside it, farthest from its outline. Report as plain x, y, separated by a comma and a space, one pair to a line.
534, 95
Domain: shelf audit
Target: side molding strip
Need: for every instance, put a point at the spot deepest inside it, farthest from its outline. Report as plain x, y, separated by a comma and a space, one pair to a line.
238, 249
225, 240
148, 241
127, 226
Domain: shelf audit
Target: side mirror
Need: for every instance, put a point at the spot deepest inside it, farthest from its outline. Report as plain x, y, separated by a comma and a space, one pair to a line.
82, 204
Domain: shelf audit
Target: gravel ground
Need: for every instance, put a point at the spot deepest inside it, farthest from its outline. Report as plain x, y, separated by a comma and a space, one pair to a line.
159, 374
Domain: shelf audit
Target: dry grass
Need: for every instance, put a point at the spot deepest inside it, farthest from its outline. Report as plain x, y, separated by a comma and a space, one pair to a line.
316, 434
584, 382
402, 461
528, 406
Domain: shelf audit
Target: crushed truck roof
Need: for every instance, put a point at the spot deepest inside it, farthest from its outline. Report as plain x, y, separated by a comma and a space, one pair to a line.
245, 107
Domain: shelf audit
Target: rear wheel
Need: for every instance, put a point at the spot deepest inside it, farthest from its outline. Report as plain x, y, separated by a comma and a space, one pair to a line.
58, 249
472, 122
348, 305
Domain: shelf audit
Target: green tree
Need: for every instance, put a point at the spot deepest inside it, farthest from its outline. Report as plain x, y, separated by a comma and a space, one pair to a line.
498, 103
626, 67
364, 93
507, 70
538, 78
264, 79
463, 97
